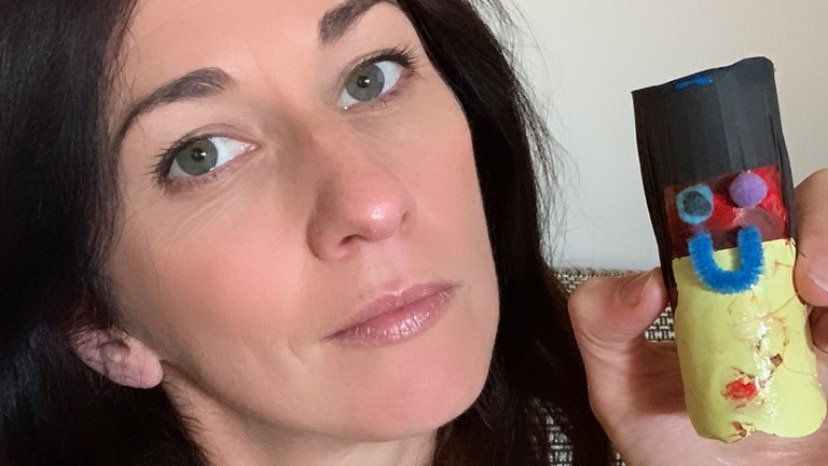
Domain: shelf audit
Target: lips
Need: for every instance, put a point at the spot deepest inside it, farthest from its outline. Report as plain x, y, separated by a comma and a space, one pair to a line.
397, 317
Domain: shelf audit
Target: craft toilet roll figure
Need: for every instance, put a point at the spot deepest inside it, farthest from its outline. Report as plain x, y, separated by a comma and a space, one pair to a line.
720, 195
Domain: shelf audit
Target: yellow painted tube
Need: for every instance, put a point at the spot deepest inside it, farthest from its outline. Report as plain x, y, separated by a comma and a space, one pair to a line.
746, 359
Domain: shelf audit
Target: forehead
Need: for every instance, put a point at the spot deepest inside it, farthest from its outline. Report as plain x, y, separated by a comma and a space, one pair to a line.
168, 39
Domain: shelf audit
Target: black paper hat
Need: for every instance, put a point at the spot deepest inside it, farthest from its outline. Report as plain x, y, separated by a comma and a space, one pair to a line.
713, 123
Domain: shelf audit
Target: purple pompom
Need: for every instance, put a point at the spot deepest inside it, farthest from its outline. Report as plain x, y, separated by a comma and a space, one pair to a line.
748, 190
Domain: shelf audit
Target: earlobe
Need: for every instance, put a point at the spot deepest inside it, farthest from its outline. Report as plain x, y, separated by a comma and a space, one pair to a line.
119, 357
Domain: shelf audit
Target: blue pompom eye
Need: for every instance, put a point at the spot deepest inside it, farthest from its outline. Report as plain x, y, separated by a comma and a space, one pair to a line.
695, 204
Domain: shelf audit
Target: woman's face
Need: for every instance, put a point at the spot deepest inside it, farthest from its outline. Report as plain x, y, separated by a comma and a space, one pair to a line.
303, 241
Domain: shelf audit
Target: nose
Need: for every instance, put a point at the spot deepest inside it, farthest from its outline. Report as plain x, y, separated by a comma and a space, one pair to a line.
360, 201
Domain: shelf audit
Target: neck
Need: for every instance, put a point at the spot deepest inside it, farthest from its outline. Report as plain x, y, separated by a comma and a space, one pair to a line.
231, 450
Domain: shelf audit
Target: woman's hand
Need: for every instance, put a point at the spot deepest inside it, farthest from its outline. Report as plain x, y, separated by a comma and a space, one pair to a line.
635, 386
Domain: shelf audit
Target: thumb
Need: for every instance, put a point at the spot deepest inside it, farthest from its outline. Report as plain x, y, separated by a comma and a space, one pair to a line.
610, 315
811, 272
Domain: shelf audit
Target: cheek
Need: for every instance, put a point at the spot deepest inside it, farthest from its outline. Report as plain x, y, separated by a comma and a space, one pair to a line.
442, 176
199, 278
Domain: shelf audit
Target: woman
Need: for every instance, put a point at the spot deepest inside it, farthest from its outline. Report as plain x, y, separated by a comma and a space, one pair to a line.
275, 232
297, 267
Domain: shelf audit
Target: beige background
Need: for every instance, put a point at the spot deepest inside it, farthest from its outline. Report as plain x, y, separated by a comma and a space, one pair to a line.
584, 57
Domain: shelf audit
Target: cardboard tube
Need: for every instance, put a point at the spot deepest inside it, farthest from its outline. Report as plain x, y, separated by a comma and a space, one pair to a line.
720, 195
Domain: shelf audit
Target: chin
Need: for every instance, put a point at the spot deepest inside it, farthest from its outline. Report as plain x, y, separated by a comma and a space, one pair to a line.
416, 416
429, 384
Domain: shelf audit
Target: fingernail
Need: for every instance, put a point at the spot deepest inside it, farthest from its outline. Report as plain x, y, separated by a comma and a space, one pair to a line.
819, 275
815, 270
632, 291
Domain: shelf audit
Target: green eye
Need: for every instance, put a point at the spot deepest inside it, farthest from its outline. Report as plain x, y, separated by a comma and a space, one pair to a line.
369, 81
203, 155
196, 158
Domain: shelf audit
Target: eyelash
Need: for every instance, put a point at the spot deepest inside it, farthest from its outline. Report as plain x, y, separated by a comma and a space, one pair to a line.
166, 159
403, 56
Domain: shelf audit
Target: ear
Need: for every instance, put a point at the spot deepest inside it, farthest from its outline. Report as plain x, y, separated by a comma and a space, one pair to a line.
119, 357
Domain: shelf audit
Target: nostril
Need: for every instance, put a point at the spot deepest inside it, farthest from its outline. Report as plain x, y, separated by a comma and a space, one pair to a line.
348, 240
405, 220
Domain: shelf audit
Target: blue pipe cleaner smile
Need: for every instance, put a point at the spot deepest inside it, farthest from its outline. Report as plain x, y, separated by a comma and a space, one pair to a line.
749, 244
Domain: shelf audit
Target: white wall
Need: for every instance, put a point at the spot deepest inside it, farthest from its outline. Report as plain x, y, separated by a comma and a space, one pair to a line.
584, 57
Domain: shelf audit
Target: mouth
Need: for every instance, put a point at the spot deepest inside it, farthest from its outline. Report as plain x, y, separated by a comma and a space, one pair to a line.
397, 317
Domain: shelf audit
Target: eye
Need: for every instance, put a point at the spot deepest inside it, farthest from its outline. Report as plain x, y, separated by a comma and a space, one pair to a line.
695, 204
204, 154
370, 81
748, 190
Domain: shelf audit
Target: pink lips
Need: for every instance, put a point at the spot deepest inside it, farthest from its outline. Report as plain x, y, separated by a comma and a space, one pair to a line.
397, 317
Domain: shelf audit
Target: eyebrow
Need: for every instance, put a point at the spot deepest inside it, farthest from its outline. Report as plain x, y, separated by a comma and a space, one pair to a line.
208, 82
340, 19
203, 82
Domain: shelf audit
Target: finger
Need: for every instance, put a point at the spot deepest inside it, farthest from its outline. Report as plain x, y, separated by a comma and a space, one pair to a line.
610, 315
811, 272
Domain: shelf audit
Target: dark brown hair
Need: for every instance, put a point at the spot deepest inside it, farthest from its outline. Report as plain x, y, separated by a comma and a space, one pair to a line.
58, 201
